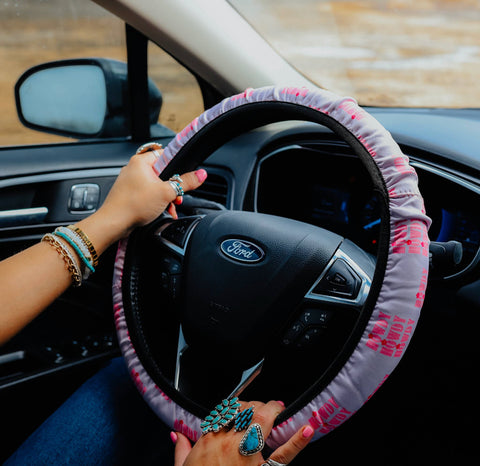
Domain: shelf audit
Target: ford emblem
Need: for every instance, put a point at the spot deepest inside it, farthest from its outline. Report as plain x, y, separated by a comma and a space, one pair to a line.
241, 250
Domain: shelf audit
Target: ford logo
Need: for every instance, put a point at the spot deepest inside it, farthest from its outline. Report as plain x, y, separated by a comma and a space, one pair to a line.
241, 250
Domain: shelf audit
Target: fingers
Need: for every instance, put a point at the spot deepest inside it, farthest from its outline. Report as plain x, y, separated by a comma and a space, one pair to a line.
172, 211
182, 447
266, 414
189, 181
149, 157
287, 452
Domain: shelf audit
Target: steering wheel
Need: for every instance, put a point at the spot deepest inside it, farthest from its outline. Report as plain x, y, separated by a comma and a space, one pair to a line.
205, 303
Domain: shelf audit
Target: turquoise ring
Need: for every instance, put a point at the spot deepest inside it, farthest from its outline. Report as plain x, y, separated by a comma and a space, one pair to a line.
221, 416
252, 442
177, 188
243, 419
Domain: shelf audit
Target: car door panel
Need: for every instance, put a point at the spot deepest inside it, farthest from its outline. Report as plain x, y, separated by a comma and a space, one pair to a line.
42, 365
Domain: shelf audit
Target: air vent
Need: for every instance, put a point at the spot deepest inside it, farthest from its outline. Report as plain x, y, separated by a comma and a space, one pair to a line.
215, 188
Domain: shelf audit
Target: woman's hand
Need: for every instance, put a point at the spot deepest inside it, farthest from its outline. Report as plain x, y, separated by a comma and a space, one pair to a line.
222, 448
137, 197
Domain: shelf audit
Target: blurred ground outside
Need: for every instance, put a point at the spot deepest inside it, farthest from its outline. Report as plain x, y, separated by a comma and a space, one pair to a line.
382, 52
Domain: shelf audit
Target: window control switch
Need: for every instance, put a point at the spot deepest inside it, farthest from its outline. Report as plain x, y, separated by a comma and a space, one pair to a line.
84, 198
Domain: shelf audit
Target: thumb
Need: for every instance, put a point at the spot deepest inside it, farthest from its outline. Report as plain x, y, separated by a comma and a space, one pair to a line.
287, 452
182, 447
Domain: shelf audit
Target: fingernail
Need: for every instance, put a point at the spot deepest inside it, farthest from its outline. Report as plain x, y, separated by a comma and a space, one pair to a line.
178, 200
201, 175
281, 402
174, 437
172, 211
307, 432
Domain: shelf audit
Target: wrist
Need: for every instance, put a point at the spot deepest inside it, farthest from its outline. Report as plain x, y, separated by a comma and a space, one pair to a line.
104, 228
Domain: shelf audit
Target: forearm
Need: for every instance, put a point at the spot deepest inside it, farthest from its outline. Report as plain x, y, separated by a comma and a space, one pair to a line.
29, 282
32, 279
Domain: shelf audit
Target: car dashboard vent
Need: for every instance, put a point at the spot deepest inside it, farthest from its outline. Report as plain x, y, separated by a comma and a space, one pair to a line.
215, 188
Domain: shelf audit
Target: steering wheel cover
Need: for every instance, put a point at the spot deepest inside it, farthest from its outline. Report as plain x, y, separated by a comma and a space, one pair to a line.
397, 309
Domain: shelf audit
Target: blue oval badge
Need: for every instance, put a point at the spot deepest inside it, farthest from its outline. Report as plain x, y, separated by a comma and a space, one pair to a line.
241, 250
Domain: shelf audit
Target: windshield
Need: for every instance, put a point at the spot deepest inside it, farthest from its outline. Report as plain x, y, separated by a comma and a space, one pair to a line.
407, 53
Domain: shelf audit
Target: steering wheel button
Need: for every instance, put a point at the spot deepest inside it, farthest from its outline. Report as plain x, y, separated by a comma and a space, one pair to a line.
171, 265
178, 230
315, 317
174, 286
293, 333
340, 280
310, 337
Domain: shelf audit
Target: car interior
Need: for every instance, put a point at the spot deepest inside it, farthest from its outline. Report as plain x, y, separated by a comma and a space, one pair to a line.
50, 185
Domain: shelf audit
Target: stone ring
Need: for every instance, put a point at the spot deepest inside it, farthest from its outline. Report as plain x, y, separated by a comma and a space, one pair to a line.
252, 441
177, 188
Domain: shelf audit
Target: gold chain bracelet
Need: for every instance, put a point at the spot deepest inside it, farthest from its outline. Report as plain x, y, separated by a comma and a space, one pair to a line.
67, 257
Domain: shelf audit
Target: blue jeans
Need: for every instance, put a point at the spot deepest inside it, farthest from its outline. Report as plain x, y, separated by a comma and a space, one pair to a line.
105, 422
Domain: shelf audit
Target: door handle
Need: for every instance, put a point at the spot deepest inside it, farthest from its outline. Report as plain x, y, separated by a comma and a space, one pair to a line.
17, 217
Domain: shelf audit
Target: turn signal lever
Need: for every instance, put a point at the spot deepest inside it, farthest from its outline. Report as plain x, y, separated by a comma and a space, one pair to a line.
444, 257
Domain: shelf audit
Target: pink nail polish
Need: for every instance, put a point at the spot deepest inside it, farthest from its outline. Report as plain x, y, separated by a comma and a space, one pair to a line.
307, 432
281, 402
173, 437
201, 175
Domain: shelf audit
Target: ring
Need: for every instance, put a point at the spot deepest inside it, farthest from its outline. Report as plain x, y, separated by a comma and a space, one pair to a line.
176, 178
149, 146
177, 188
270, 462
243, 419
252, 442
221, 416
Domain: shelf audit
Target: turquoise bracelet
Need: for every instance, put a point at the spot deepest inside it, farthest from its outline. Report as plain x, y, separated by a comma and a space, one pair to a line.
72, 243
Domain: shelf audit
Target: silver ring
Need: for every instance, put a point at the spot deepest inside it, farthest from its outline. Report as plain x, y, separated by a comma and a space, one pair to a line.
177, 188
176, 178
253, 441
270, 462
148, 146
155, 153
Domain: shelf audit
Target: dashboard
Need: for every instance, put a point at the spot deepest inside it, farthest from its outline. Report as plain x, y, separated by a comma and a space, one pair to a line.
292, 169
332, 189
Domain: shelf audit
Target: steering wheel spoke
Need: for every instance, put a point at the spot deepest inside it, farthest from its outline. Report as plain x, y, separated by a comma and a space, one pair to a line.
174, 234
343, 281
333, 303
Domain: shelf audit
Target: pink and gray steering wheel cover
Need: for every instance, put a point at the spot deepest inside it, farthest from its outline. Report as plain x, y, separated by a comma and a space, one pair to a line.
400, 299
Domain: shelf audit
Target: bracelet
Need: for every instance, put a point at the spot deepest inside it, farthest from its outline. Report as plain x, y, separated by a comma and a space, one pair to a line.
87, 242
67, 257
76, 242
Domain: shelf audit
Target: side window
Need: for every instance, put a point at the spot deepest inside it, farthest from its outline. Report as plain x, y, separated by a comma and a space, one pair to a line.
32, 33
182, 98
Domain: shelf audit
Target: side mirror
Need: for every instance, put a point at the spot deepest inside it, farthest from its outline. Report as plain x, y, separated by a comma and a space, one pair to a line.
81, 98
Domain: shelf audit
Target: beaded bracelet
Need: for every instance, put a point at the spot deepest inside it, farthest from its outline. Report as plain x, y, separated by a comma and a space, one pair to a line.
67, 257
87, 242
77, 244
